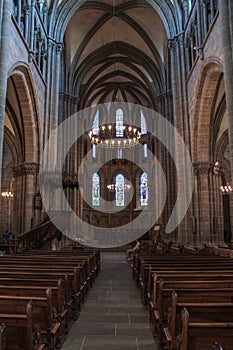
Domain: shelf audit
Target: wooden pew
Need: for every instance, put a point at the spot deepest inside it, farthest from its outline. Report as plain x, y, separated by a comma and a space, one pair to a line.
144, 261
198, 312
74, 273
2, 336
145, 281
54, 294
43, 318
202, 335
85, 278
18, 331
160, 313
80, 282
93, 257
185, 276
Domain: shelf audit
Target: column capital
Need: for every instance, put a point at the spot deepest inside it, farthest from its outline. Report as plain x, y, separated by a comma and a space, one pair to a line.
202, 168
28, 168
172, 43
59, 47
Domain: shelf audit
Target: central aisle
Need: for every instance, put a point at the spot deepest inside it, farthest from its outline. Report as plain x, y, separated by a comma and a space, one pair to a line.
113, 316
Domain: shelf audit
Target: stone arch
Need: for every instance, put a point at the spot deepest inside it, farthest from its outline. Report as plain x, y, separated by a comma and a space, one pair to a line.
24, 142
203, 111
221, 147
27, 102
62, 11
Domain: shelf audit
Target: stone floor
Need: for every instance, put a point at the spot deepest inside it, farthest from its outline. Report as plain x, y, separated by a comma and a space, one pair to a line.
113, 317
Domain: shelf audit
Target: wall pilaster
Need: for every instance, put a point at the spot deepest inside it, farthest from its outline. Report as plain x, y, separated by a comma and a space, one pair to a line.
5, 24
226, 16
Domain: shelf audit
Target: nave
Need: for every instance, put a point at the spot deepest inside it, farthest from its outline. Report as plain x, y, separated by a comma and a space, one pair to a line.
113, 316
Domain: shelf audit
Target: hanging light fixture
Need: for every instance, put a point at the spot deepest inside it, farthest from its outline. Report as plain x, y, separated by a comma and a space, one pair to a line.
112, 187
226, 189
106, 136
7, 194
115, 135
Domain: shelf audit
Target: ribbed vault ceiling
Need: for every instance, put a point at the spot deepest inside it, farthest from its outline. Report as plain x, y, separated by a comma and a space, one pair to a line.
115, 50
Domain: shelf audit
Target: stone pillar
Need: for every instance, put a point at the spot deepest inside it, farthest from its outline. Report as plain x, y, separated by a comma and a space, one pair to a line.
31, 170
32, 26
203, 188
27, 28
17, 202
6, 8
226, 16
19, 9
181, 124
50, 45
186, 10
25, 188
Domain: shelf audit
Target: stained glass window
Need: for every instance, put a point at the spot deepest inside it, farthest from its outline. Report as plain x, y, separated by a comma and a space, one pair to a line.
119, 191
94, 150
119, 153
145, 150
95, 189
119, 123
143, 189
95, 125
143, 124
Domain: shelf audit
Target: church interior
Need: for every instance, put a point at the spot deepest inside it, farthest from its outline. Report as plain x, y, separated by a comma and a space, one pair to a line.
116, 152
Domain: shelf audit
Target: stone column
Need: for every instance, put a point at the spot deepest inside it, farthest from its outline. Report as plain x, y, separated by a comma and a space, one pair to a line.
181, 124
17, 202
31, 170
32, 26
204, 215
27, 28
19, 9
186, 9
25, 188
226, 17
6, 8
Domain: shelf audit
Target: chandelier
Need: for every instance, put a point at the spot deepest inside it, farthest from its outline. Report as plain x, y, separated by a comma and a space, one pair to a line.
112, 187
107, 136
226, 189
7, 194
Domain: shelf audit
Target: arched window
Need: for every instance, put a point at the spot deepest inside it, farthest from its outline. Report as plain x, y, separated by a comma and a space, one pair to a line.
119, 153
119, 123
95, 189
94, 150
95, 125
145, 150
143, 189
119, 191
143, 124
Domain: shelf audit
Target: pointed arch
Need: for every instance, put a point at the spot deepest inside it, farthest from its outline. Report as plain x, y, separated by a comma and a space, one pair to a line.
62, 11
203, 112
29, 122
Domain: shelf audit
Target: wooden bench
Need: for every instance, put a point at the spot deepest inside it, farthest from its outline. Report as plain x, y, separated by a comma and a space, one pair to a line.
85, 278
54, 294
144, 261
57, 285
145, 279
18, 331
185, 276
2, 336
159, 316
198, 312
43, 316
202, 335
